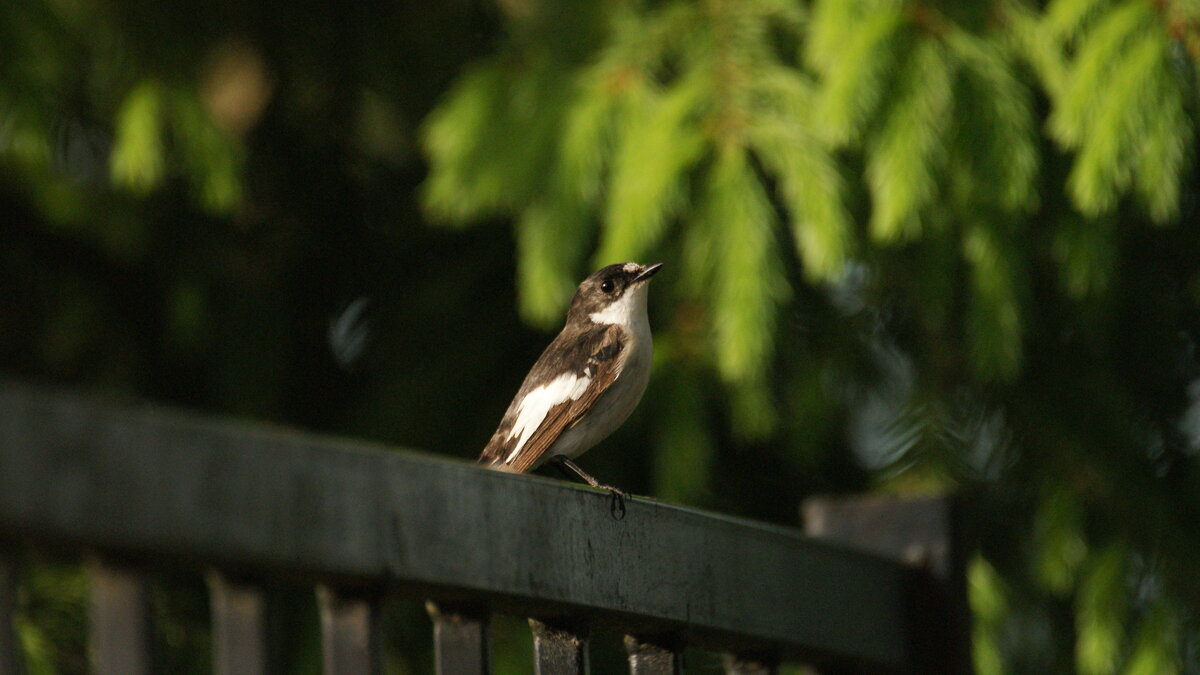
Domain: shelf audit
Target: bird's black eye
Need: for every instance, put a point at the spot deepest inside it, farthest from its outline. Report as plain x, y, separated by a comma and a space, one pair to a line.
607, 286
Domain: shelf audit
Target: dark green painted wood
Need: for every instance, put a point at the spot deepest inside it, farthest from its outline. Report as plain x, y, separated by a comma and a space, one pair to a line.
652, 657
11, 657
460, 640
924, 532
349, 633
158, 483
239, 626
559, 649
119, 633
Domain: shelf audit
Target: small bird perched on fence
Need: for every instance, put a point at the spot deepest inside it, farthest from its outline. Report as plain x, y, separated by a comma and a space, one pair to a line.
586, 383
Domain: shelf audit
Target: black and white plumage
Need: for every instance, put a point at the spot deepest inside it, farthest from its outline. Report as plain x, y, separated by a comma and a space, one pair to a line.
587, 382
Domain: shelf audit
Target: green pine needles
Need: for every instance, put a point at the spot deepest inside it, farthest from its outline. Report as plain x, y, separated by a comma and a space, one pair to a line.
210, 158
723, 133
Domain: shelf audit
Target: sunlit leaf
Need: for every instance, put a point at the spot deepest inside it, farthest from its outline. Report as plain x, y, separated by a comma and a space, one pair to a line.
550, 243
1102, 169
213, 158
985, 591
1064, 19
1154, 648
901, 157
491, 143
994, 125
747, 282
994, 321
660, 144
137, 160
853, 82
1031, 41
810, 183
1088, 77
452, 135
1165, 144
1100, 612
587, 131
1061, 547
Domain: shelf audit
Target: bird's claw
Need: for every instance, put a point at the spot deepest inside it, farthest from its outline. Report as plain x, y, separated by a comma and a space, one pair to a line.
617, 506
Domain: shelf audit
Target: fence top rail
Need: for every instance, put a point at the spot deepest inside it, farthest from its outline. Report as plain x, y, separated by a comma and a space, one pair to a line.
162, 484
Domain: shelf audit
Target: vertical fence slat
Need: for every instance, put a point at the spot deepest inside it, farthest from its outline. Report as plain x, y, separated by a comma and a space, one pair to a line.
740, 665
119, 619
652, 657
558, 649
460, 640
239, 626
349, 633
10, 649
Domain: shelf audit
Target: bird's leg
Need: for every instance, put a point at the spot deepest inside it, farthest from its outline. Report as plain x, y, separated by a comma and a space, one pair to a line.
563, 462
618, 496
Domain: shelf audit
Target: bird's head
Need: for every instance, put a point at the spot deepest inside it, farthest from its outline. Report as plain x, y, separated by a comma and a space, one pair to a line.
613, 294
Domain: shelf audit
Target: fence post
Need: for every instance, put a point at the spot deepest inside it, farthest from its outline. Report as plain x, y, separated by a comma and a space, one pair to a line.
119, 619
460, 640
239, 626
349, 633
559, 649
653, 656
926, 533
10, 649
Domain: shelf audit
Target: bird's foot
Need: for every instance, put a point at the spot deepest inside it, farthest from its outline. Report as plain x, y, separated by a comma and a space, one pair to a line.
616, 507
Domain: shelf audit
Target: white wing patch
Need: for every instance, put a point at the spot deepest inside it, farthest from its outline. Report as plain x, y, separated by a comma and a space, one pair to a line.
537, 404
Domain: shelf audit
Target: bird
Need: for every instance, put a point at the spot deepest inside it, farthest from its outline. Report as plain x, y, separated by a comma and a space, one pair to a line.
586, 382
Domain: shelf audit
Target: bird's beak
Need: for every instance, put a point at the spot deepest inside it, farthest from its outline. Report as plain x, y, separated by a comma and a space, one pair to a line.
647, 272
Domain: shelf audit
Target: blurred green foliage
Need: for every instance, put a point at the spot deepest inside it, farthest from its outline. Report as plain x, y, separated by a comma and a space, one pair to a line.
911, 246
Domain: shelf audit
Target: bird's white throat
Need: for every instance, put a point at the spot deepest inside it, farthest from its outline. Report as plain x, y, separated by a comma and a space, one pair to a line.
629, 310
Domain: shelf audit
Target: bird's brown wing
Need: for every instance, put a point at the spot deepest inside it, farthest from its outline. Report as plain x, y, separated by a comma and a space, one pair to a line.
603, 346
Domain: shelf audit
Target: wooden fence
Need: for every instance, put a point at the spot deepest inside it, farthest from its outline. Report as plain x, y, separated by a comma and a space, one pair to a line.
135, 488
